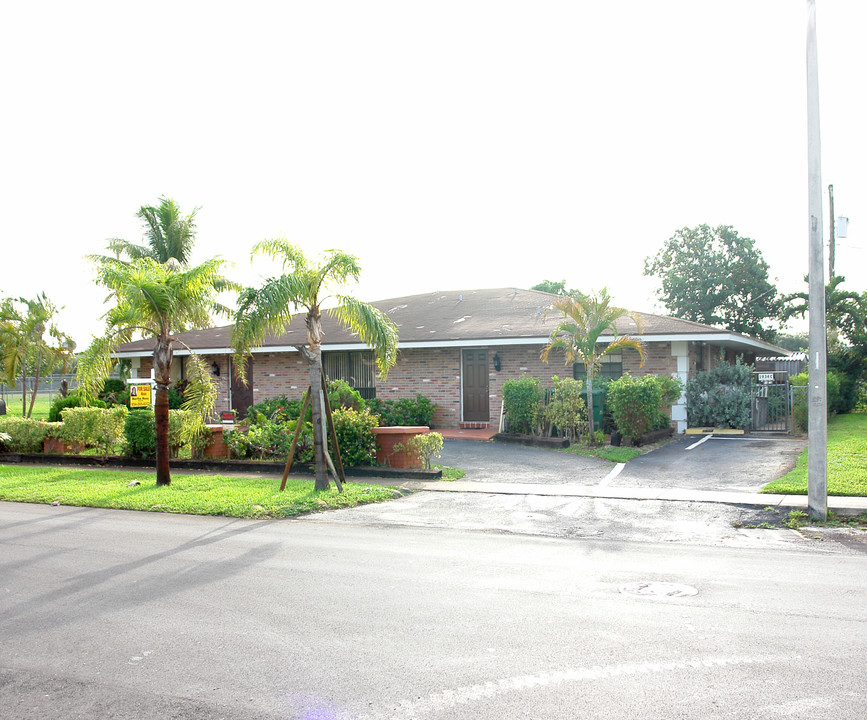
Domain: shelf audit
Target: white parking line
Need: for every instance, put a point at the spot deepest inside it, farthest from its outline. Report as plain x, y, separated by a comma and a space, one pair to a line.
696, 444
613, 474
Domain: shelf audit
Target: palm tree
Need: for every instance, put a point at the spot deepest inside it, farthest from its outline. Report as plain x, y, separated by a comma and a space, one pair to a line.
156, 300
24, 325
167, 231
845, 311
303, 286
585, 319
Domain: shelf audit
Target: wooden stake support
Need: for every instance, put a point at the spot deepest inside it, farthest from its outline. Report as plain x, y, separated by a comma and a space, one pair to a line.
335, 464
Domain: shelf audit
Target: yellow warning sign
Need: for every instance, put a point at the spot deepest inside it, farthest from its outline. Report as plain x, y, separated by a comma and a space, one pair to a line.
140, 395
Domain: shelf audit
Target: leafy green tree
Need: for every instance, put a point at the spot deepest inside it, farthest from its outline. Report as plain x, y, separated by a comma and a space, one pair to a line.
793, 342
156, 300
555, 288
585, 319
30, 341
304, 286
715, 276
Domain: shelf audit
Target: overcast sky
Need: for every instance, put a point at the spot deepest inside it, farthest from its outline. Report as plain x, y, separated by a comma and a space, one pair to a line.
449, 145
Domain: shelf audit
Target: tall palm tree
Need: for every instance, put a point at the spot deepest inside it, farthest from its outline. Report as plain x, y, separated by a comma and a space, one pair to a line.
585, 319
167, 231
155, 300
304, 286
29, 337
845, 311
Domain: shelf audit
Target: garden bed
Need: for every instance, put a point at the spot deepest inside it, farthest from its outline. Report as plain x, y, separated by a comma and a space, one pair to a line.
648, 438
532, 440
221, 466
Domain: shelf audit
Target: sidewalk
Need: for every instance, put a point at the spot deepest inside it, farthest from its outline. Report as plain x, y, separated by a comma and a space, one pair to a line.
840, 505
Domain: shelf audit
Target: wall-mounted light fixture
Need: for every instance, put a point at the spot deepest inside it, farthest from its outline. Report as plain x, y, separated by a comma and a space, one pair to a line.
215, 369
497, 362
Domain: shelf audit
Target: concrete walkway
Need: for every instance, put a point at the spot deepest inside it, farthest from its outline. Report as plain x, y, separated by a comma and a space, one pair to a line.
840, 505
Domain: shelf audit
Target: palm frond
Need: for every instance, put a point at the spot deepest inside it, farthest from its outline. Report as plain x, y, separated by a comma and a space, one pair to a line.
373, 328
200, 395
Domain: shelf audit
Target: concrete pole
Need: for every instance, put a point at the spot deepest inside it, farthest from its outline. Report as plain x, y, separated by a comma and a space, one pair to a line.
817, 466
831, 242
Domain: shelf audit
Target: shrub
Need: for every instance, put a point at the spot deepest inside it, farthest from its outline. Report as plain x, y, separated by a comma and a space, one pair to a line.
403, 412
635, 404
354, 430
670, 387
522, 404
720, 397
267, 439
140, 432
112, 390
74, 399
25, 435
567, 410
94, 427
800, 405
342, 394
277, 409
425, 446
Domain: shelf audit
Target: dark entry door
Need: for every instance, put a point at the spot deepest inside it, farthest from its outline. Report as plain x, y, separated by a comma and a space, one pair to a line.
242, 395
476, 394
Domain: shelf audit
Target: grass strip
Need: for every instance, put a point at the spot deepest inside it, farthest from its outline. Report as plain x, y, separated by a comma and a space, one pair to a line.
247, 497
847, 461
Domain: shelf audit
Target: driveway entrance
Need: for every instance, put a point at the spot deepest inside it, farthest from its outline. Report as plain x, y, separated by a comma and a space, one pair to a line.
737, 463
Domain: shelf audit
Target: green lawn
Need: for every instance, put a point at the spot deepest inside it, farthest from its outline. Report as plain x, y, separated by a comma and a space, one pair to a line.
847, 460
191, 494
606, 452
40, 407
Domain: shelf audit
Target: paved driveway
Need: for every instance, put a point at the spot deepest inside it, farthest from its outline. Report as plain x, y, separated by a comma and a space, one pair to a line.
504, 462
727, 462
716, 463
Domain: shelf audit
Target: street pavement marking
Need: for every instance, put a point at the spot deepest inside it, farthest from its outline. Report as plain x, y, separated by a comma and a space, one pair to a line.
443, 700
616, 470
696, 444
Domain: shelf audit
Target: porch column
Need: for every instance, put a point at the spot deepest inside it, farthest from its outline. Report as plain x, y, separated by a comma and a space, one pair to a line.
680, 351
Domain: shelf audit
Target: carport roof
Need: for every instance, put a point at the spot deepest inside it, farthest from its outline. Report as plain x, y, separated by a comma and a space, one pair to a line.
460, 318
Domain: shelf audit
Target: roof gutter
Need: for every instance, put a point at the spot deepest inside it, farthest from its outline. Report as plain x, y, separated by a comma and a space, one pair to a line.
722, 338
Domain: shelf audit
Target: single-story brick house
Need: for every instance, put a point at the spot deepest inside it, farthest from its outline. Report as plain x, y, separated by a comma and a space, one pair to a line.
457, 348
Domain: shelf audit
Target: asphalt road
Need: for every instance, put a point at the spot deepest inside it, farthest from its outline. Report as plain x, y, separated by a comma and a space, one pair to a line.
111, 614
745, 463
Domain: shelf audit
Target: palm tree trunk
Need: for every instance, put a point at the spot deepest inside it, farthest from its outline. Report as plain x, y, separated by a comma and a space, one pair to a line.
315, 373
35, 383
314, 367
592, 439
162, 372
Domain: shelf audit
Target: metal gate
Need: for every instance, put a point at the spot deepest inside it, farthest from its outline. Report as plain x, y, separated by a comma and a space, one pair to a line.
770, 401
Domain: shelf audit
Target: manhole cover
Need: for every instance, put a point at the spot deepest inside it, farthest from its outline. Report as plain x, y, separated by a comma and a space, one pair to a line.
663, 589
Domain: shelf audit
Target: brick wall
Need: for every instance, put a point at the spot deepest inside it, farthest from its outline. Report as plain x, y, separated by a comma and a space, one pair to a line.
658, 360
432, 372
436, 374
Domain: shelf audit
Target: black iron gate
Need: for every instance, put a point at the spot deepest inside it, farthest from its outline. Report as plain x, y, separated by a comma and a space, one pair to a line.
770, 401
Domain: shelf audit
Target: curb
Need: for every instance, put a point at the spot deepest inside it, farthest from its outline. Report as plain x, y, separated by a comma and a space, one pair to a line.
839, 504
224, 466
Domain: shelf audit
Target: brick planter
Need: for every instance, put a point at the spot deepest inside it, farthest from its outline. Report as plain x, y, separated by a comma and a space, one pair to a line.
56, 446
217, 449
388, 437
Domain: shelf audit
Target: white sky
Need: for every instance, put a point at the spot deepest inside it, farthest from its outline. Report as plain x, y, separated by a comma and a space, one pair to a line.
449, 145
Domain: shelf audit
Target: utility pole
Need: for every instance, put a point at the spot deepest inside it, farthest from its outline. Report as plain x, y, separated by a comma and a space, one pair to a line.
817, 440
831, 242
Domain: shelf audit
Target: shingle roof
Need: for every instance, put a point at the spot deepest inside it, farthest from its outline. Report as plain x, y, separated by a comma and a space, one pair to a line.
499, 314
